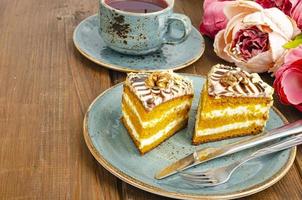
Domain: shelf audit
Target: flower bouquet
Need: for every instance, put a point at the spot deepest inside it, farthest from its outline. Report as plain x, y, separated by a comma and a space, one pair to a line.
260, 36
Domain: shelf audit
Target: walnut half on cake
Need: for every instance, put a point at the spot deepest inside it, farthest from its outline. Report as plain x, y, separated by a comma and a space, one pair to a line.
233, 103
155, 106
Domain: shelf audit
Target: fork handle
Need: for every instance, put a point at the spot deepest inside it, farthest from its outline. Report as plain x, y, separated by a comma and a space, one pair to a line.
284, 144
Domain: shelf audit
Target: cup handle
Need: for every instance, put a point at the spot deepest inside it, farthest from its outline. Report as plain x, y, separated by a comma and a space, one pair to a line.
187, 27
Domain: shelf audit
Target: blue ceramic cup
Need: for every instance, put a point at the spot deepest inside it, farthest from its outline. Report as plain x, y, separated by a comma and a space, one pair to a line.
141, 33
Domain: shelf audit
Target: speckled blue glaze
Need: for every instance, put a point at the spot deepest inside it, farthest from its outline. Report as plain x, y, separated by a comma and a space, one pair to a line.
88, 41
111, 140
139, 33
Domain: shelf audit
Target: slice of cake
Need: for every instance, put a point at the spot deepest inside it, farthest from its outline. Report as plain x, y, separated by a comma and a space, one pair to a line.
233, 103
155, 106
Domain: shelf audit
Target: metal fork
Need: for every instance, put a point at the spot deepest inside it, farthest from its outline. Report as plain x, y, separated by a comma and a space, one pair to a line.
217, 176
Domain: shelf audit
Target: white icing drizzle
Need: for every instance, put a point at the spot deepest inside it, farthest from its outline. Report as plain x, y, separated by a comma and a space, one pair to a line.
254, 87
150, 97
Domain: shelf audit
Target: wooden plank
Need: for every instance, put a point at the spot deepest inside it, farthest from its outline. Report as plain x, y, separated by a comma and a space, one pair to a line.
132, 193
298, 161
46, 87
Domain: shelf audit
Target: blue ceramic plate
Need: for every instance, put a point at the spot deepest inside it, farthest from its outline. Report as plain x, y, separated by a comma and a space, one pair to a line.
88, 41
110, 144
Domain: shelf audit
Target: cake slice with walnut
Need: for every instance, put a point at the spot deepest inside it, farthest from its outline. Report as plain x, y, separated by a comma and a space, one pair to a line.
155, 106
233, 103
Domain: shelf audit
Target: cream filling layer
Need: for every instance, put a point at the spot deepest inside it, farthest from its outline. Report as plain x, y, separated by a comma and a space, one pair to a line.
147, 141
153, 122
256, 109
238, 125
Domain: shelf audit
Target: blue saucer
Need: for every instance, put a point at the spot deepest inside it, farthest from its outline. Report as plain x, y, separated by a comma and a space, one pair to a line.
109, 142
170, 57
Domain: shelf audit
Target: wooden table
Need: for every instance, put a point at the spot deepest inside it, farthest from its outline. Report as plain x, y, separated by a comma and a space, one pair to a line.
46, 85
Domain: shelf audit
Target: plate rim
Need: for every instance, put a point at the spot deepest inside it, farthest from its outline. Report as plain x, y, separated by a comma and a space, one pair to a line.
155, 190
126, 69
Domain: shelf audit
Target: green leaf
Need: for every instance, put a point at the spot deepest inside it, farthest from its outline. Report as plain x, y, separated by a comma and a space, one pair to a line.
298, 37
293, 44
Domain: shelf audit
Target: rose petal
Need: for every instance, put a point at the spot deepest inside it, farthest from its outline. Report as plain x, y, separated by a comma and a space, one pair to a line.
266, 3
283, 97
293, 55
299, 107
261, 63
237, 27
278, 87
235, 21
278, 63
295, 12
281, 93
214, 19
241, 7
276, 42
280, 71
275, 19
219, 46
292, 86
282, 22
297, 30
284, 5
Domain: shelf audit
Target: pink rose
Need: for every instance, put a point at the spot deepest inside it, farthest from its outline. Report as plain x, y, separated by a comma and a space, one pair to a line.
250, 42
213, 18
288, 82
296, 12
254, 37
291, 8
284, 5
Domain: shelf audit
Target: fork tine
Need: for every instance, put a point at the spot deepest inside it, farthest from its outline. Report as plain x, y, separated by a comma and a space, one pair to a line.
201, 182
188, 174
199, 179
193, 173
194, 177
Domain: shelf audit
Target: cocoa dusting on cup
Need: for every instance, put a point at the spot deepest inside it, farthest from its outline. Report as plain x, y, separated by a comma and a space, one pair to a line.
119, 27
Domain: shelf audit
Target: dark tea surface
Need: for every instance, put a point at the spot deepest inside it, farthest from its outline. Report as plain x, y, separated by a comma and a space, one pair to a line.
137, 6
